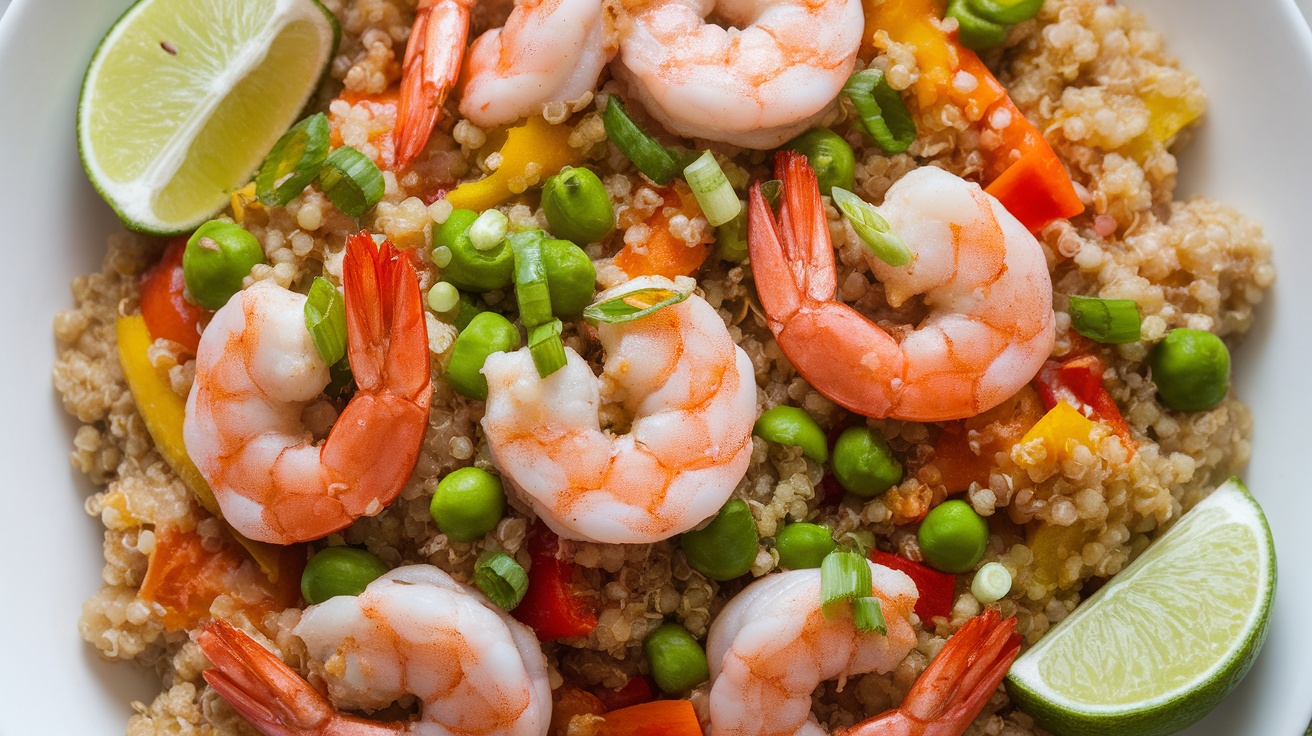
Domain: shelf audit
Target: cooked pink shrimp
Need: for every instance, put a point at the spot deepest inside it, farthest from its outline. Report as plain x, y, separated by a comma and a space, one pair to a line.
548, 51
773, 644
981, 273
431, 68
475, 670
692, 394
770, 72
257, 369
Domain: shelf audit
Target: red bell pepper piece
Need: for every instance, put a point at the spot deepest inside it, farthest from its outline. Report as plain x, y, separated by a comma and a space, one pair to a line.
167, 313
552, 607
1078, 382
937, 589
635, 692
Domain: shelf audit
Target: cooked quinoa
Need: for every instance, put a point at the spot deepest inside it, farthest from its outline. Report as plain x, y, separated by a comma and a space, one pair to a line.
1082, 71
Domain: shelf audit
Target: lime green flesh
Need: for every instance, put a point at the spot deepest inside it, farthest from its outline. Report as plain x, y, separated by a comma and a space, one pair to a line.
1165, 640
184, 99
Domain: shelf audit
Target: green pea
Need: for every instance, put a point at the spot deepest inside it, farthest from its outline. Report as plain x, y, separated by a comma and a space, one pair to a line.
953, 537
789, 425
486, 333
577, 206
803, 545
571, 277
973, 30
467, 504
1191, 369
339, 571
829, 155
725, 548
864, 463
677, 661
218, 256
472, 269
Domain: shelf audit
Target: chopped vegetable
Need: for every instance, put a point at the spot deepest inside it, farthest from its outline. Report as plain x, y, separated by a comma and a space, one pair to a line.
883, 114
546, 347
992, 582
339, 571
731, 239
1078, 382
657, 718
1060, 430
164, 306
531, 291
501, 579
829, 155
975, 32
1112, 321
294, 161
872, 228
533, 151
718, 200
936, 589
965, 451
633, 305
653, 160
351, 181
844, 576
662, 253
325, 318
578, 206
637, 690
868, 615
1009, 12
551, 605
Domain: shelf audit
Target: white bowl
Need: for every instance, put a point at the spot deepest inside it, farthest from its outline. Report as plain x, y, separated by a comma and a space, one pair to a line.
1255, 59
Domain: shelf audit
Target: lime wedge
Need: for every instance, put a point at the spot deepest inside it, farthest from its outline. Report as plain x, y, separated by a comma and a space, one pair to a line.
183, 100
1164, 641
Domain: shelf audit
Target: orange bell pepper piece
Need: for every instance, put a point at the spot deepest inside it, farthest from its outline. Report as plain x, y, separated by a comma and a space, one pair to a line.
167, 313
1061, 429
657, 718
663, 254
996, 430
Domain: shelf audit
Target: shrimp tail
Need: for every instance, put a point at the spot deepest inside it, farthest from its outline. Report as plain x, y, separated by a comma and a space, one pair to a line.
429, 72
269, 694
957, 684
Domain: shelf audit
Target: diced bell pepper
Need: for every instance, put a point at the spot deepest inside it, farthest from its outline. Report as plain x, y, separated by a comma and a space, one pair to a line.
535, 150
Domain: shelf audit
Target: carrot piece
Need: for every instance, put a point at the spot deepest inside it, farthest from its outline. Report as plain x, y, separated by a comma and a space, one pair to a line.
1036, 189
663, 254
657, 718
167, 313
380, 122
996, 430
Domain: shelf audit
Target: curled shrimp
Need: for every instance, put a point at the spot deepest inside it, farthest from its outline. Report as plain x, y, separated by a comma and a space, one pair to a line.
414, 631
429, 71
256, 370
981, 273
692, 396
771, 72
773, 644
548, 51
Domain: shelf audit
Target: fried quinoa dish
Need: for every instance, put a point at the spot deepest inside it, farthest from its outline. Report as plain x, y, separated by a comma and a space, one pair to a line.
1062, 519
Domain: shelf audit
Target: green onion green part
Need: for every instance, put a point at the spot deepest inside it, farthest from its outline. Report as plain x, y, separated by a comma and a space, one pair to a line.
488, 230
872, 228
883, 114
531, 291
975, 32
1112, 321
294, 161
351, 181
633, 305
711, 187
501, 579
1007, 12
655, 161
731, 239
844, 576
325, 318
991, 583
868, 615
546, 347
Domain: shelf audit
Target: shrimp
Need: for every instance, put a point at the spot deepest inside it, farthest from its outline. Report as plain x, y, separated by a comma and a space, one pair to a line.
548, 51
414, 631
692, 395
773, 644
981, 273
429, 71
772, 72
257, 368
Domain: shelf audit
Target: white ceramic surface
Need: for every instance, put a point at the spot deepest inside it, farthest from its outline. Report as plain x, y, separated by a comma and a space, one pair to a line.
1255, 59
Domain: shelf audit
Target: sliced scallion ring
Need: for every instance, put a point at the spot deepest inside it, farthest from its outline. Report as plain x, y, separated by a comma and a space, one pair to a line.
655, 161
883, 114
731, 239
325, 318
844, 576
294, 161
531, 291
872, 228
546, 347
868, 615
351, 181
501, 579
711, 187
1113, 321
633, 305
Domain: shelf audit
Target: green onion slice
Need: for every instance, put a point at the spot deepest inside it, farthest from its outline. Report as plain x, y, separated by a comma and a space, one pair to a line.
773, 191
531, 291
711, 187
883, 114
351, 181
868, 615
325, 318
655, 161
731, 239
872, 228
1112, 321
844, 576
341, 381
973, 30
294, 161
501, 579
546, 347
634, 305
1006, 12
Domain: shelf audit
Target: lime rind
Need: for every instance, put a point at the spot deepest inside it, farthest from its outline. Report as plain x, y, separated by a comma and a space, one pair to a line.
1230, 512
137, 197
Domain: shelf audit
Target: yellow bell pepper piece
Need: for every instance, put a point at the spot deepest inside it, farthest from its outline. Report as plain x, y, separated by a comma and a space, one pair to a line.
163, 410
241, 200
912, 22
533, 149
1167, 116
1051, 546
1061, 429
